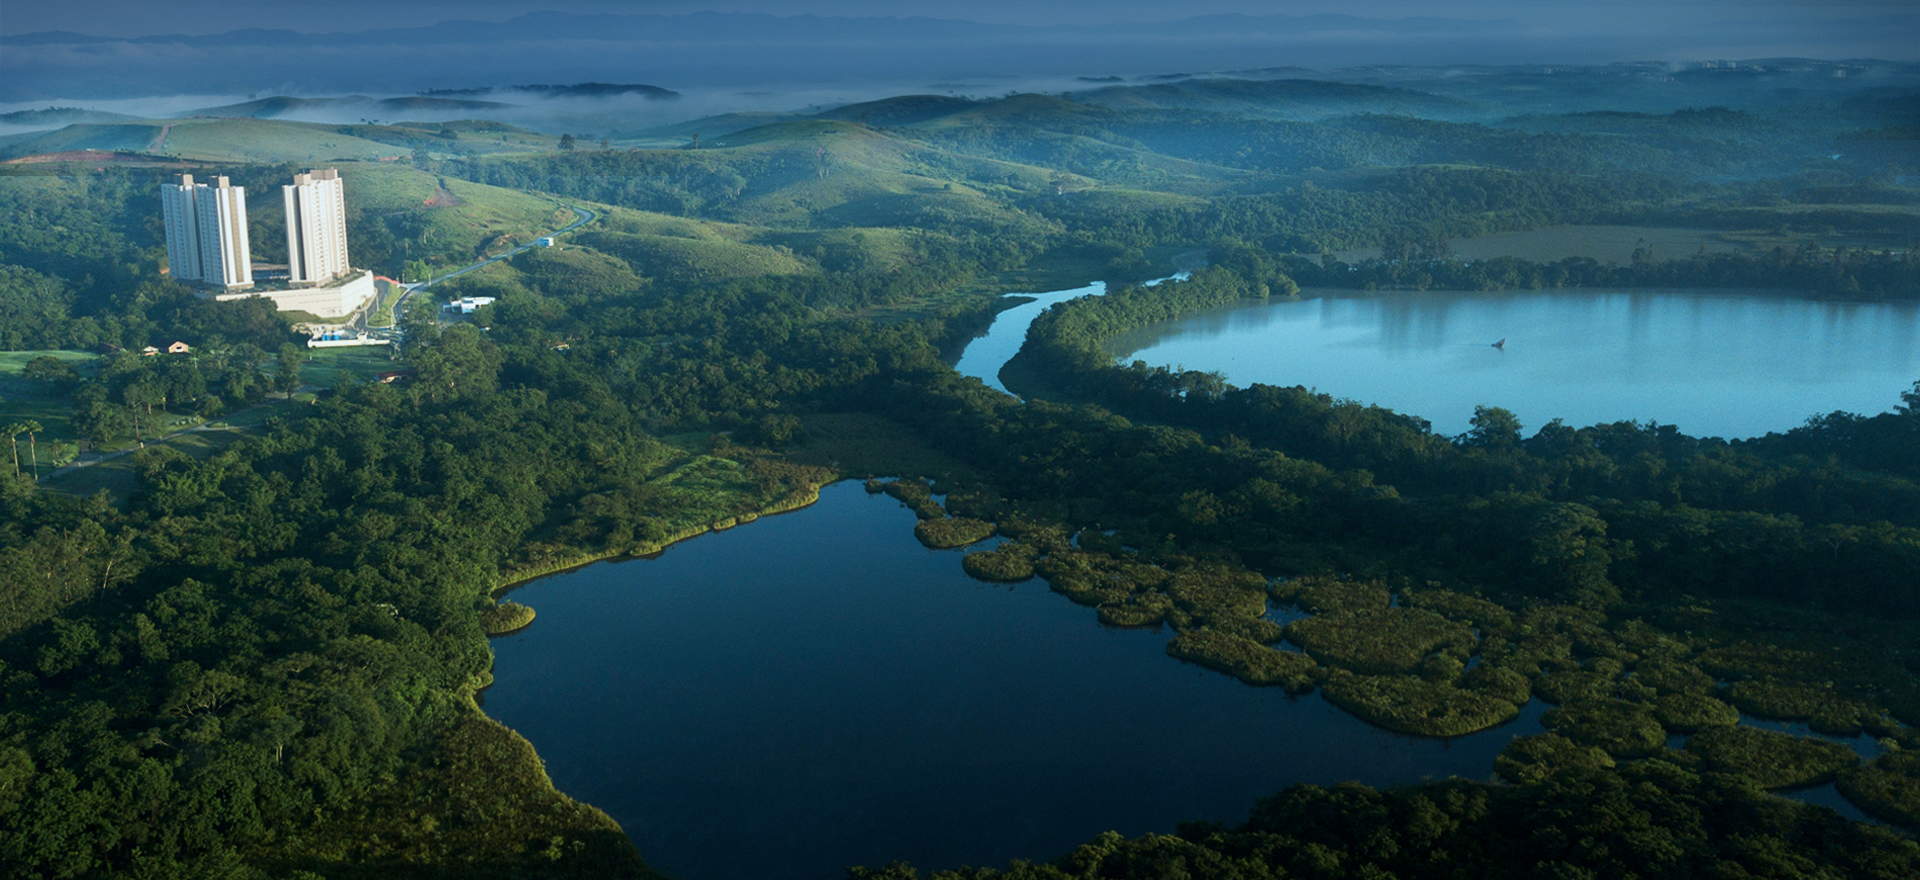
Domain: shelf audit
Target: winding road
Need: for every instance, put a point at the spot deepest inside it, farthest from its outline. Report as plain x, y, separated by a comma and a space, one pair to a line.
582, 218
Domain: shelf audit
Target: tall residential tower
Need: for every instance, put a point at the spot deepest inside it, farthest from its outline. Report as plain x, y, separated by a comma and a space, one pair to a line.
316, 226
207, 232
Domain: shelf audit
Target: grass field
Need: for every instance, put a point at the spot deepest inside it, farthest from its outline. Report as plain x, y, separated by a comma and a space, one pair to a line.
121, 476
127, 136
327, 366
381, 314
268, 140
11, 362
482, 219
55, 440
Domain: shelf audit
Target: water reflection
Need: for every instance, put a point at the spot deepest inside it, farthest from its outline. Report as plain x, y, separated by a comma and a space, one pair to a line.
1713, 363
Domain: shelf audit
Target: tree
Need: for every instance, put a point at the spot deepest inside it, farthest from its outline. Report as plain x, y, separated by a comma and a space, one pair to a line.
51, 370
460, 362
419, 322
1493, 428
99, 421
291, 359
14, 430
566, 142
30, 428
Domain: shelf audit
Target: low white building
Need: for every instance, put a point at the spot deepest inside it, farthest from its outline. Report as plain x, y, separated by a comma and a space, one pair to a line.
467, 304
337, 299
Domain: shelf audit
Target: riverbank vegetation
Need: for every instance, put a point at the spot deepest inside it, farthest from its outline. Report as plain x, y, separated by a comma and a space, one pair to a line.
264, 661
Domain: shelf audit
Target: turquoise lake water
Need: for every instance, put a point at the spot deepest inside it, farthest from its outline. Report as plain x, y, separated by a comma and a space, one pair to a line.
1713, 363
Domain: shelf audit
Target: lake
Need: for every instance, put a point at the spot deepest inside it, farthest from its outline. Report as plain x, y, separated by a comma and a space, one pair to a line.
817, 690
1716, 363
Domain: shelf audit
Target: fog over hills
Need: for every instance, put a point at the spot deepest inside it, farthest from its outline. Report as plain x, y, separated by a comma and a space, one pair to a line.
756, 51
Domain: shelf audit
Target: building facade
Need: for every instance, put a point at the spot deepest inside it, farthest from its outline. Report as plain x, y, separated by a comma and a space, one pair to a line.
316, 227
207, 232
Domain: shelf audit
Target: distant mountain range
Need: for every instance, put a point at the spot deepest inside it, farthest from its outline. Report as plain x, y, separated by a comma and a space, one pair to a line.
851, 58
280, 105
735, 27
55, 117
576, 90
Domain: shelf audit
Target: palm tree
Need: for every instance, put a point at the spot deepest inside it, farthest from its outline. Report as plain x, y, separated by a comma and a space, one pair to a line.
13, 432
30, 427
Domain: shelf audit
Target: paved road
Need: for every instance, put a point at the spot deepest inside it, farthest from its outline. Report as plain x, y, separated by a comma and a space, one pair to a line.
582, 218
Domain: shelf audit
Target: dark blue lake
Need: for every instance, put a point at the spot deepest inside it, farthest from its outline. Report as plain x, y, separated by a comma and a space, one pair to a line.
817, 690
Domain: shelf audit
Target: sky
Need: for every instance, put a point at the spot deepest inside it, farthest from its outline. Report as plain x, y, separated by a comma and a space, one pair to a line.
128, 18
977, 48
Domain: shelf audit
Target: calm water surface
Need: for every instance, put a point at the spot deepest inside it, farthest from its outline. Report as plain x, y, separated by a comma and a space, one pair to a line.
985, 356
817, 690
1713, 363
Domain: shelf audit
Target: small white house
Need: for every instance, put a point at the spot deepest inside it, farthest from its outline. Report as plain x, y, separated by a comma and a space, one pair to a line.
467, 304
544, 241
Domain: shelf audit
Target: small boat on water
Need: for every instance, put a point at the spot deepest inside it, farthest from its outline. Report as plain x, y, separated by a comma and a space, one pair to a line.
1502, 344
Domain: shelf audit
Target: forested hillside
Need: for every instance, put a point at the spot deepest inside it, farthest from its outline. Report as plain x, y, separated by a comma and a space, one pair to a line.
264, 662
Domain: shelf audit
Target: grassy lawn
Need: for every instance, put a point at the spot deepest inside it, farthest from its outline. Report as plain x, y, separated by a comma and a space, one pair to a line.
12, 362
121, 476
254, 417
327, 366
382, 313
269, 140
55, 441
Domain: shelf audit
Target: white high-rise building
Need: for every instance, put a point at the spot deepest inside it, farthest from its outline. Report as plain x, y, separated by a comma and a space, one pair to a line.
207, 232
316, 226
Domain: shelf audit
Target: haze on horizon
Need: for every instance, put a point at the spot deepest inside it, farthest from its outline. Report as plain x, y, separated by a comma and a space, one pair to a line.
205, 53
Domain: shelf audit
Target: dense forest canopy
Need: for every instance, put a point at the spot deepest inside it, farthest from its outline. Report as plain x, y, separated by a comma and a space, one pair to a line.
258, 658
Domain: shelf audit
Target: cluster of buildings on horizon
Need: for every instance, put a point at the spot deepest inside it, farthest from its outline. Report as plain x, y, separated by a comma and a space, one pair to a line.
207, 243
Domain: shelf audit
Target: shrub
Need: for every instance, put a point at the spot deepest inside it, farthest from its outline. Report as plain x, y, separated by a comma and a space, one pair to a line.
1770, 758
1244, 659
946, 534
1672, 677
917, 496
1008, 563
1687, 713
1495, 681
1888, 788
1145, 609
1623, 729
1099, 579
1533, 758
1325, 595
1383, 642
1460, 606
505, 618
1218, 592
1414, 705
1827, 711
1563, 687
1258, 629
